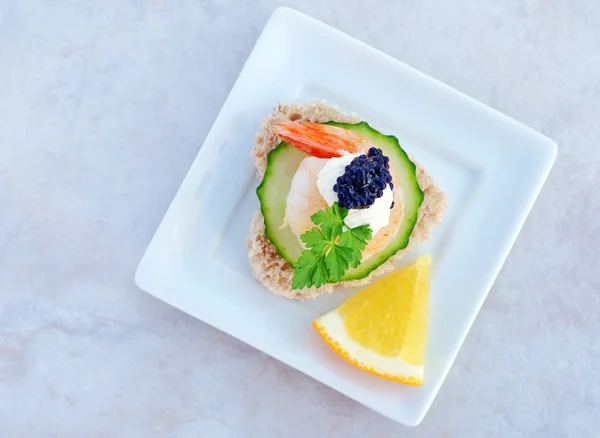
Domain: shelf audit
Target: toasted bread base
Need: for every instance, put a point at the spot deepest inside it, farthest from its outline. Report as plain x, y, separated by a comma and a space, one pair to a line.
268, 266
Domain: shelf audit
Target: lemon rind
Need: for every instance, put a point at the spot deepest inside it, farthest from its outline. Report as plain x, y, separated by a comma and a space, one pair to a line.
391, 368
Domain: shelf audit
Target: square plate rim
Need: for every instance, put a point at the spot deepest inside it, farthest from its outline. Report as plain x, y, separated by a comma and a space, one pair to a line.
548, 156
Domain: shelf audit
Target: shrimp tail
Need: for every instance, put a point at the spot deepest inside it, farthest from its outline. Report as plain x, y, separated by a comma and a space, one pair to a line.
321, 141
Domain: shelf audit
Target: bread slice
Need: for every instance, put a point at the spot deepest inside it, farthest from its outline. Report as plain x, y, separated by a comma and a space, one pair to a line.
268, 266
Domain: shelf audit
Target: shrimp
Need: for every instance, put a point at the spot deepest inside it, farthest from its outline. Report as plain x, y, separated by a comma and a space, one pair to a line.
321, 141
304, 199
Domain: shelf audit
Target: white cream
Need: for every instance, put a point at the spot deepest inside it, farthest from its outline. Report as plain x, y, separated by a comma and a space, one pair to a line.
328, 175
376, 216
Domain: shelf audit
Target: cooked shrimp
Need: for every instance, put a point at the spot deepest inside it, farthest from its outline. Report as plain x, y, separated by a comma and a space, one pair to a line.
304, 199
322, 141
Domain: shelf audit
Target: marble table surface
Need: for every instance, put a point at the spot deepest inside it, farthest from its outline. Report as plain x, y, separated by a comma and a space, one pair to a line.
104, 105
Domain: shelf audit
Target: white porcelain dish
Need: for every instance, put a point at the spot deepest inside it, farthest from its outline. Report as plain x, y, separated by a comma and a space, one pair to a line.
490, 166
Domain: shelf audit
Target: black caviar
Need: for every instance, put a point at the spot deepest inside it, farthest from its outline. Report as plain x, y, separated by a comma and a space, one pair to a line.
364, 180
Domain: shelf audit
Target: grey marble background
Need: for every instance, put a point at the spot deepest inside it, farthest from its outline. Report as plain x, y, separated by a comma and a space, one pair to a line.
103, 106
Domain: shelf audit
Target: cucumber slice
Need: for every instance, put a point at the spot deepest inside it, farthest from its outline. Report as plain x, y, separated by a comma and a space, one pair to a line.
282, 163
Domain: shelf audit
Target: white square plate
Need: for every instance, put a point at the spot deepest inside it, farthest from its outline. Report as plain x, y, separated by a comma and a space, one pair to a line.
491, 167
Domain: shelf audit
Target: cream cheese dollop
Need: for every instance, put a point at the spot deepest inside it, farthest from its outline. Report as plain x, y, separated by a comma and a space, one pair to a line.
377, 216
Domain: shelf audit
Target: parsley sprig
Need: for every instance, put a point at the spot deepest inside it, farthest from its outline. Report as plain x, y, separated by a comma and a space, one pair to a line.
332, 248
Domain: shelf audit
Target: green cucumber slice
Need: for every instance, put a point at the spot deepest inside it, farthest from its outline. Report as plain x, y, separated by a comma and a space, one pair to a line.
282, 163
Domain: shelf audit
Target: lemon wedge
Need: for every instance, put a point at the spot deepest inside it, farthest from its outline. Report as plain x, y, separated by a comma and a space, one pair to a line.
383, 328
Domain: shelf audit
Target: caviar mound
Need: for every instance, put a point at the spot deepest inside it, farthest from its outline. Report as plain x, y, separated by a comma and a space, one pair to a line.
364, 180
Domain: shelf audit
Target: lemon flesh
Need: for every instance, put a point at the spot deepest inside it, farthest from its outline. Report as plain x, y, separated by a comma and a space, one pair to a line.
383, 329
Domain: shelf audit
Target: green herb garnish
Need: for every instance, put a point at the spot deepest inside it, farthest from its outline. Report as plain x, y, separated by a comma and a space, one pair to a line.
331, 249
